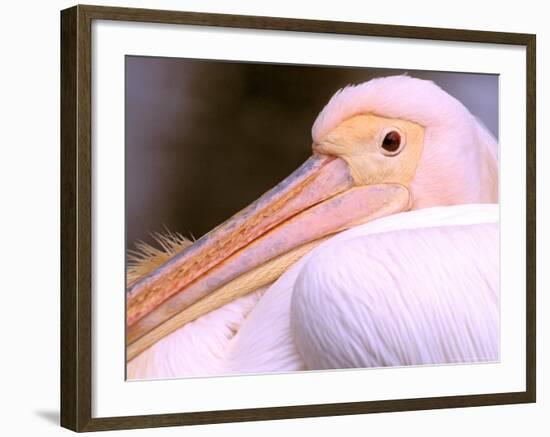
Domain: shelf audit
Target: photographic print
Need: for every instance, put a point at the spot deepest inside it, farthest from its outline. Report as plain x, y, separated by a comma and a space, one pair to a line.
286, 218
339, 216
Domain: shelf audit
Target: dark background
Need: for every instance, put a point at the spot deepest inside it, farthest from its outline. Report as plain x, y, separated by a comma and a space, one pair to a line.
205, 138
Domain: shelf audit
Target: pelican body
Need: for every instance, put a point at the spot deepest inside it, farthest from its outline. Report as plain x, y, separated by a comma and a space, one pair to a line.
380, 250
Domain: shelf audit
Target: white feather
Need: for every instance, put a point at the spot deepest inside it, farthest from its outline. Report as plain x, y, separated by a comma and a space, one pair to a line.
254, 334
406, 297
196, 349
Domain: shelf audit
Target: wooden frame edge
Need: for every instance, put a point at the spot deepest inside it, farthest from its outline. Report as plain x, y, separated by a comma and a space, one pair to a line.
76, 341
75, 219
68, 346
531, 218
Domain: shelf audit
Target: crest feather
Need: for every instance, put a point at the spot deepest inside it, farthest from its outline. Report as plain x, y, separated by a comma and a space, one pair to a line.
145, 257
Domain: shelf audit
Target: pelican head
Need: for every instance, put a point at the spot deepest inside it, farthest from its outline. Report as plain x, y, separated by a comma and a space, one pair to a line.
409, 131
381, 147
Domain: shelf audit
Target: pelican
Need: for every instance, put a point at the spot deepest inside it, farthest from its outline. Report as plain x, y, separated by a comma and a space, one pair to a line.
380, 250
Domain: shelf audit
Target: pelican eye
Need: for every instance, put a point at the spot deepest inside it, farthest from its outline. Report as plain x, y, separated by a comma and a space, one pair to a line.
392, 143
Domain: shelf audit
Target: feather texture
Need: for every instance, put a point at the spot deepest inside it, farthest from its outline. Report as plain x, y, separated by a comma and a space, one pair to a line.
408, 297
267, 330
145, 258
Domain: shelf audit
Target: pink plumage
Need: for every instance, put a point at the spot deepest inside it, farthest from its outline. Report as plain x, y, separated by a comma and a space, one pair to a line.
414, 288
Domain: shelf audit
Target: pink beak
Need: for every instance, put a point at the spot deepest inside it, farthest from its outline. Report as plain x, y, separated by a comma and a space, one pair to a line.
317, 200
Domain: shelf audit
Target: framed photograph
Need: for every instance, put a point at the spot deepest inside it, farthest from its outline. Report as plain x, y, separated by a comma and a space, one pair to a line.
268, 218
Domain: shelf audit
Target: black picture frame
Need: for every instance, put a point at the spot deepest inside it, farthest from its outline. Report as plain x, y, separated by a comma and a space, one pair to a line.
76, 218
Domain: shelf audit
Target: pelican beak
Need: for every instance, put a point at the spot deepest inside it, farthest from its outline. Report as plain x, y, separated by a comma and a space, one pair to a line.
318, 199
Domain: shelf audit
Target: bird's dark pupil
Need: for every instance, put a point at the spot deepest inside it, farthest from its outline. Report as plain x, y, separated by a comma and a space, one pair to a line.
392, 141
